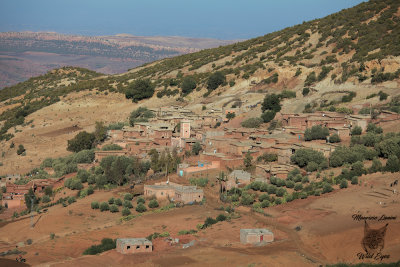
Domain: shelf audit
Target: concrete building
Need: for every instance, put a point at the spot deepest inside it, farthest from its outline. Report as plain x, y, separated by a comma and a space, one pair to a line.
256, 236
134, 245
175, 192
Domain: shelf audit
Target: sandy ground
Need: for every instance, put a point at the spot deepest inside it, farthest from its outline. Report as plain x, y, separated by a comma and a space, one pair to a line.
328, 232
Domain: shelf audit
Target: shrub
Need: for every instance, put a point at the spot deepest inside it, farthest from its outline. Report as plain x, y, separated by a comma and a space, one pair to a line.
247, 199
392, 164
104, 206
305, 91
127, 204
111, 147
128, 196
376, 166
252, 123
187, 232
71, 200
209, 221
139, 89
215, 80
188, 85
334, 138
373, 128
114, 208
140, 200
73, 184
343, 184
298, 186
357, 130
95, 205
126, 211
141, 114
354, 180
268, 115
288, 94
153, 204
141, 208
196, 148
81, 141
316, 132
312, 166
280, 192
106, 244
111, 201
289, 184
52, 236
265, 203
304, 156
271, 102
45, 199
20, 150
118, 202
221, 217
202, 182
326, 188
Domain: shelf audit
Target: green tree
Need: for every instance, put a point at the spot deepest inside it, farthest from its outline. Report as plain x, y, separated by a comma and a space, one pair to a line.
139, 89
141, 208
20, 150
31, 199
334, 138
141, 114
81, 141
271, 102
100, 132
188, 85
248, 161
196, 148
230, 115
357, 130
268, 115
153, 204
215, 80
392, 164
252, 123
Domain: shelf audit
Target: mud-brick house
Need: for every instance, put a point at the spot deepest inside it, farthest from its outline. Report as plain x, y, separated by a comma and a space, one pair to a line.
359, 120
341, 131
237, 177
273, 169
299, 121
133, 245
202, 168
256, 236
175, 192
10, 178
131, 132
99, 155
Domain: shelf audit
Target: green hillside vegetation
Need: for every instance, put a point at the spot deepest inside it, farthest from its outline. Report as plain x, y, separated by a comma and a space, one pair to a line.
368, 31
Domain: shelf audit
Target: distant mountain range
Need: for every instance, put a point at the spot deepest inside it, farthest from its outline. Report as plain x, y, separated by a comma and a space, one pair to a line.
27, 54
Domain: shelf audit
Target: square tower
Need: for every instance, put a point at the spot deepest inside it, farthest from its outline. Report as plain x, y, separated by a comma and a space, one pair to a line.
185, 129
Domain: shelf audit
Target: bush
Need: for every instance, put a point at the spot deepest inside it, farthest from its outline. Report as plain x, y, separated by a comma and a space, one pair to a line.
247, 199
141, 208
298, 186
196, 148
280, 192
268, 115
354, 180
202, 182
316, 132
326, 188
128, 196
265, 203
209, 221
106, 244
376, 166
305, 91
271, 102
215, 80
111, 147
304, 156
20, 150
312, 166
52, 236
374, 129
357, 130
127, 204
153, 204
73, 184
139, 89
140, 200
45, 199
126, 211
188, 85
334, 138
71, 200
95, 205
252, 123
111, 201
104, 206
392, 164
288, 94
141, 114
343, 184
118, 202
81, 141
114, 208
221, 217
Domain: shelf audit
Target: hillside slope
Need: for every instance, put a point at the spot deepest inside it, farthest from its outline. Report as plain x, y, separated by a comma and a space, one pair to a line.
355, 50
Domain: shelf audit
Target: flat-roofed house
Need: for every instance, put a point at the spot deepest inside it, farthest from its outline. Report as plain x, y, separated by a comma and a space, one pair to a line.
256, 236
175, 192
133, 245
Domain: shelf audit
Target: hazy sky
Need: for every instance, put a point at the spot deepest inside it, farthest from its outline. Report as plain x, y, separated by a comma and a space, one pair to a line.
222, 19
